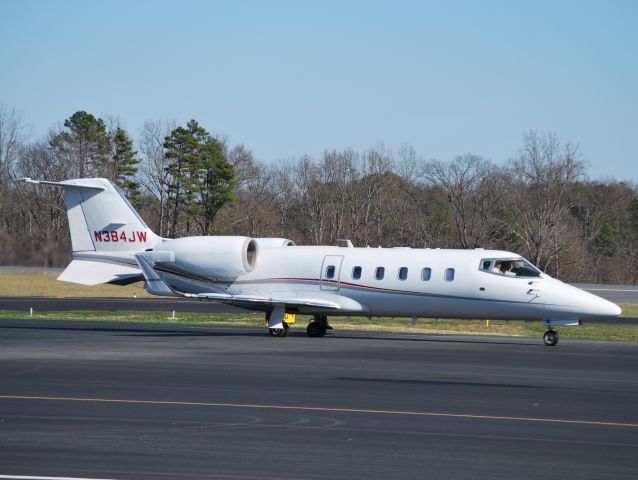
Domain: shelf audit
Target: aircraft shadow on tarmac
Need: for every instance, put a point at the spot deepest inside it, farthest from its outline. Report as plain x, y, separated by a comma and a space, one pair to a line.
440, 338
136, 332
149, 331
436, 382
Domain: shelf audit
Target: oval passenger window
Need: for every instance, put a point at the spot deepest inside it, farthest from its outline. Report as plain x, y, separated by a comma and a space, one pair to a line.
330, 271
449, 274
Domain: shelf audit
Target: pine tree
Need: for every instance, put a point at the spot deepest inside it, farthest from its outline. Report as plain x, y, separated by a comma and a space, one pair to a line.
181, 150
217, 183
124, 165
202, 179
86, 144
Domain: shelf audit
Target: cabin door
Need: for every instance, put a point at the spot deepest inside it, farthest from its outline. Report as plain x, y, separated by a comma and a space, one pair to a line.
330, 271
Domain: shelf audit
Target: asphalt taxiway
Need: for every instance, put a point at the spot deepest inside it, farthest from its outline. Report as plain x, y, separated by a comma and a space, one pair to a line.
98, 400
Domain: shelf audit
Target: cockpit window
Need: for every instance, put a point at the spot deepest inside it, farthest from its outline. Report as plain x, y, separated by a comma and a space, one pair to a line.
509, 267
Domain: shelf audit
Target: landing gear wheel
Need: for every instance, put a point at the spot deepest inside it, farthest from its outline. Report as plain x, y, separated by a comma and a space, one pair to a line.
315, 329
279, 332
550, 338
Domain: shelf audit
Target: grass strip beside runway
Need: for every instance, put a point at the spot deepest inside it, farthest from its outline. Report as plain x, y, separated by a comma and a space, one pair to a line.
45, 284
357, 324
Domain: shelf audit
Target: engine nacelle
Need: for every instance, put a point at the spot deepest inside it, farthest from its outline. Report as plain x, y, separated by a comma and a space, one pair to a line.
212, 257
274, 242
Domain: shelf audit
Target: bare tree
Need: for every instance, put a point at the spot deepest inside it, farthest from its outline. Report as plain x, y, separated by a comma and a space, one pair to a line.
538, 199
12, 131
254, 212
368, 212
153, 174
314, 209
602, 214
408, 164
246, 169
40, 213
472, 188
287, 198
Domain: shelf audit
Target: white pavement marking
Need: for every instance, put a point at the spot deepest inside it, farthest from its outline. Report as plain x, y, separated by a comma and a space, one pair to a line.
31, 477
608, 290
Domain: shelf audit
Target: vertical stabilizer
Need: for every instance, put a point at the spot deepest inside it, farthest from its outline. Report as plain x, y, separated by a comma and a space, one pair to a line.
101, 219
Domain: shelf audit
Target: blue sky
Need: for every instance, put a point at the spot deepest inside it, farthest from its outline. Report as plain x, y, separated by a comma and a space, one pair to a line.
294, 78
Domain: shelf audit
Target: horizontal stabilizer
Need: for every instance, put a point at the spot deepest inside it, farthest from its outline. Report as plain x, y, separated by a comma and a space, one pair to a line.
66, 184
88, 272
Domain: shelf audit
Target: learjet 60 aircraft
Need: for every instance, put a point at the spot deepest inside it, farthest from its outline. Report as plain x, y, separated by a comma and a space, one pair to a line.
112, 244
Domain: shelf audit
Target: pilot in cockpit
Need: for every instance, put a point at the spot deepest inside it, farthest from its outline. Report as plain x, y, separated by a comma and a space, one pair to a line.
506, 269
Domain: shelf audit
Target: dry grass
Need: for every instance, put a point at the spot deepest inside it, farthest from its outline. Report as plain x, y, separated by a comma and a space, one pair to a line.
29, 284
629, 310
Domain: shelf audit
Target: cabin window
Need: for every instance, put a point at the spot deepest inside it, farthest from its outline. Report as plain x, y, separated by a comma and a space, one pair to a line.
330, 272
356, 273
379, 273
426, 274
449, 274
403, 273
509, 267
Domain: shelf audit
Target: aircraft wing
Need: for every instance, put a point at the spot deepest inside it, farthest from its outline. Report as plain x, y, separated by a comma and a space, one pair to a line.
266, 301
155, 284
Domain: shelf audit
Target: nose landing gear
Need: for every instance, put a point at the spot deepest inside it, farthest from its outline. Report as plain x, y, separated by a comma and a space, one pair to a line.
277, 326
551, 337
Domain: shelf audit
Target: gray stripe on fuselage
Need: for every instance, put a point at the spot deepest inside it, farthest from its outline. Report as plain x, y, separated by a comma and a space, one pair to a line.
386, 291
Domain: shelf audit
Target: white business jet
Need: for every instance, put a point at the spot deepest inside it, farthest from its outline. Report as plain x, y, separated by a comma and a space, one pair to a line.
112, 244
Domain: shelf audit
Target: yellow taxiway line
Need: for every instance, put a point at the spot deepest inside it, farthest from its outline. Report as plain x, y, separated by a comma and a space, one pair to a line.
320, 409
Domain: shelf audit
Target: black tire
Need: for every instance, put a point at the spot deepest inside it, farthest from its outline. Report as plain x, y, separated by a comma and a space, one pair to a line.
550, 338
279, 332
315, 329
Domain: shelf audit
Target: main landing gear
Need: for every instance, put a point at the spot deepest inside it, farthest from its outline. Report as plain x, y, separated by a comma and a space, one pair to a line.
318, 327
279, 332
550, 338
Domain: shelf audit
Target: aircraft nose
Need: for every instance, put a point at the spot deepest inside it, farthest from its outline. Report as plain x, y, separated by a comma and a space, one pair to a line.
582, 303
594, 305
604, 308
609, 309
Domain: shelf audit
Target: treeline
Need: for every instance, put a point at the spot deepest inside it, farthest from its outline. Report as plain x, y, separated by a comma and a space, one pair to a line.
187, 181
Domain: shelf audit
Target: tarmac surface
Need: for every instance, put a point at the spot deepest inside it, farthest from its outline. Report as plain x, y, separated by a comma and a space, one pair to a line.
102, 400
613, 293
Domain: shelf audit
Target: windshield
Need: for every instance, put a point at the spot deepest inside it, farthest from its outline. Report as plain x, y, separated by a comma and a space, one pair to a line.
509, 267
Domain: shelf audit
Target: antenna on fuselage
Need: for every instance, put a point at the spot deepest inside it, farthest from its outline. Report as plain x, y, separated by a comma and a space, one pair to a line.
346, 241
